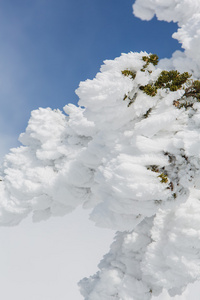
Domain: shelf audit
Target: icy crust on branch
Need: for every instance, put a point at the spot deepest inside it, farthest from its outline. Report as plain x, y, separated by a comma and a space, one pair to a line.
125, 154
120, 275
148, 161
187, 14
161, 253
44, 175
172, 259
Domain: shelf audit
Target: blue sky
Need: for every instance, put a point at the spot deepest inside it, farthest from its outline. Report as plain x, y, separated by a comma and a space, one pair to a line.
48, 47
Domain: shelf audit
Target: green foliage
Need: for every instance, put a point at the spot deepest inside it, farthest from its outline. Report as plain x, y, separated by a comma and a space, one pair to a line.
129, 73
164, 178
149, 89
172, 80
151, 59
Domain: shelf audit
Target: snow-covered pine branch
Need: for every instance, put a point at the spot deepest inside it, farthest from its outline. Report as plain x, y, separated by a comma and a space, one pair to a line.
129, 151
163, 142
126, 154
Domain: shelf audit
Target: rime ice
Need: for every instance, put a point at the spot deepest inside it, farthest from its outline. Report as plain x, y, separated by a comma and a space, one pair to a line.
130, 156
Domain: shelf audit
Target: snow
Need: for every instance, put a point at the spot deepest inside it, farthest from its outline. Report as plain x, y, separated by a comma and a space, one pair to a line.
132, 158
99, 156
187, 14
110, 156
169, 10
